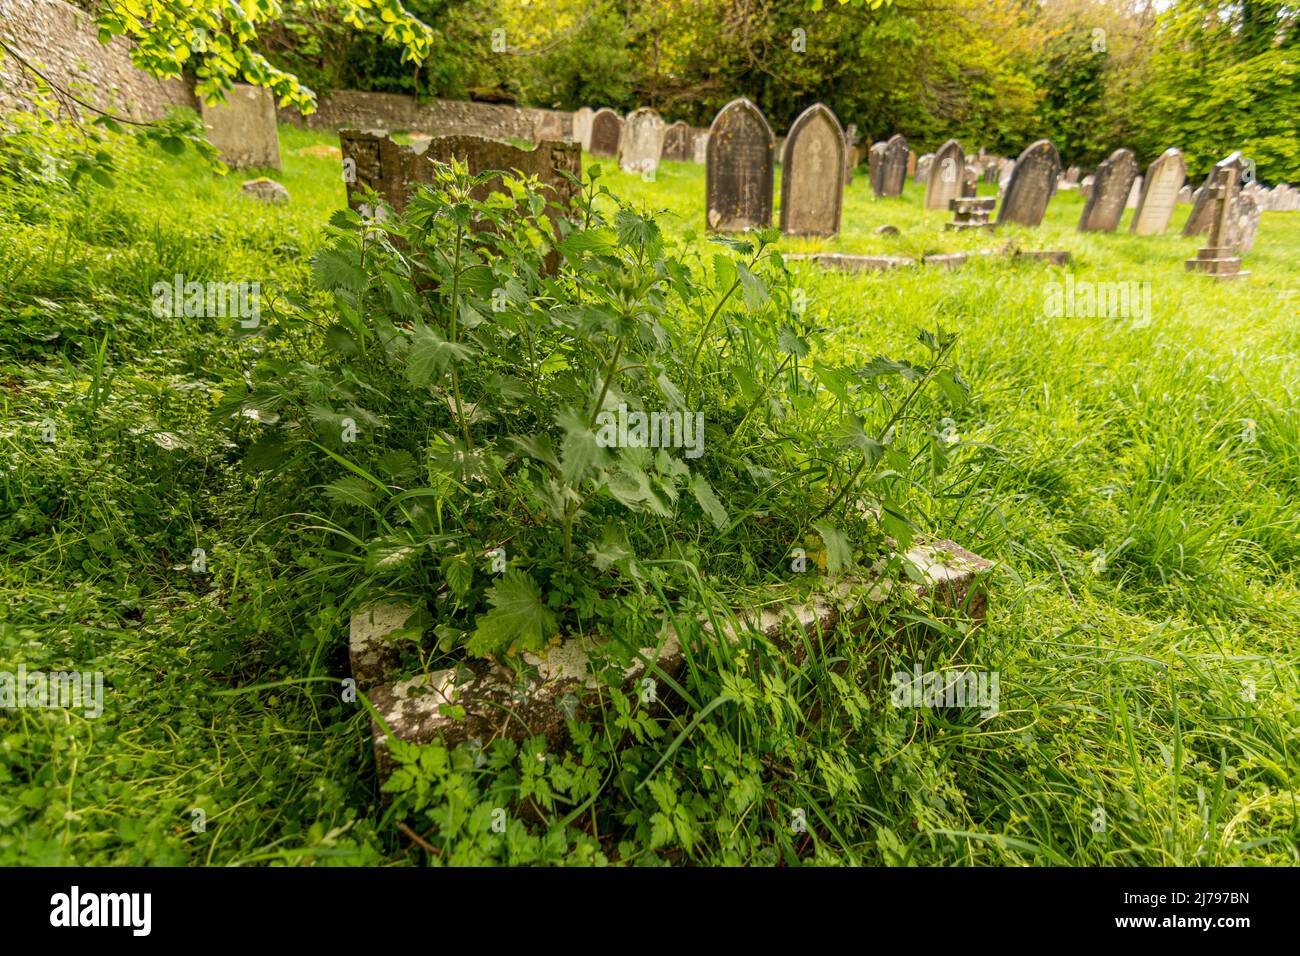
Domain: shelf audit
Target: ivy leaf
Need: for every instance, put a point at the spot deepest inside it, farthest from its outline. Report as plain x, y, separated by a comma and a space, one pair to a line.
518, 616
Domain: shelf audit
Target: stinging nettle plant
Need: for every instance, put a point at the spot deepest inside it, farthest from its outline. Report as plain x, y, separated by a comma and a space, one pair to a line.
478, 341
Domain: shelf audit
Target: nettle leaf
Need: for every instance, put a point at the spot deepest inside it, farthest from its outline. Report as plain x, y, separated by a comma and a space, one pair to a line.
839, 550
703, 493
634, 230
896, 524
518, 617
390, 555
954, 388
880, 365
458, 570
752, 288
351, 490
538, 447
431, 353
338, 267
578, 449
790, 341
612, 549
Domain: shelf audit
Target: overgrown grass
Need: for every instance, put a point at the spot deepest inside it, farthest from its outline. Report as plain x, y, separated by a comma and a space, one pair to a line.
1134, 476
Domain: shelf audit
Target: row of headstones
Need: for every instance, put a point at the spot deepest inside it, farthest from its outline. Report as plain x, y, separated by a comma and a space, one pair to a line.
640, 141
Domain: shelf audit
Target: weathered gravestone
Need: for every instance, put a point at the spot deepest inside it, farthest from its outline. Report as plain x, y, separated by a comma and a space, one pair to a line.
944, 182
911, 164
1217, 258
700, 148
582, 127
1110, 188
812, 192
1071, 176
1202, 214
923, 168
606, 131
852, 154
1134, 194
243, 128
875, 154
642, 143
1185, 196
971, 212
372, 161
1032, 183
970, 180
1243, 222
677, 143
740, 169
549, 127
892, 172
1160, 190
1085, 186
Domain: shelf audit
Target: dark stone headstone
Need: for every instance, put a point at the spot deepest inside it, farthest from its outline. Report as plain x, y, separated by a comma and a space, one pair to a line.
1032, 183
892, 172
812, 193
944, 182
606, 132
678, 143
875, 155
1160, 191
1111, 185
740, 169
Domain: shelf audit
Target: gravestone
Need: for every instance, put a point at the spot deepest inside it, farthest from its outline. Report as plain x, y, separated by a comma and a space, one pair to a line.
1202, 214
700, 148
1085, 186
740, 169
874, 157
677, 143
1032, 183
548, 127
970, 212
923, 168
606, 131
911, 163
1243, 221
970, 180
1160, 190
1134, 194
582, 127
390, 169
852, 154
1185, 195
892, 172
1110, 188
812, 192
1217, 257
944, 182
1071, 176
642, 143
243, 128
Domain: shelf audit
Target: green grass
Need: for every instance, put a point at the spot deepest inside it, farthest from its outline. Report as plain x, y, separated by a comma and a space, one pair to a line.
1143, 620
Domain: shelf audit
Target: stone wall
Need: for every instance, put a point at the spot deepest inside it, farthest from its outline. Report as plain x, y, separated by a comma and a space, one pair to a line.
352, 109
62, 42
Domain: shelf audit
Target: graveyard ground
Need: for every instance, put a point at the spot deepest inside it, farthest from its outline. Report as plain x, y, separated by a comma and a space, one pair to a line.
1137, 478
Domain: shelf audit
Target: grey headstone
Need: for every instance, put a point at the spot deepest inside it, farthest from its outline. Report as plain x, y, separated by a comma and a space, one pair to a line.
740, 169
874, 157
1071, 175
1032, 184
1203, 210
1134, 194
582, 127
643, 141
606, 131
1160, 191
892, 172
1185, 195
243, 128
700, 148
1110, 189
944, 181
923, 168
812, 192
1243, 221
678, 143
